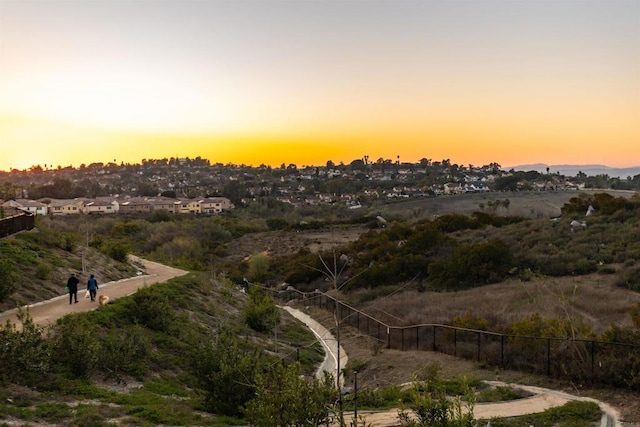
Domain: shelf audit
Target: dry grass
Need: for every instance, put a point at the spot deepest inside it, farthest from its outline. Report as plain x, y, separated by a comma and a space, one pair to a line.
528, 204
594, 299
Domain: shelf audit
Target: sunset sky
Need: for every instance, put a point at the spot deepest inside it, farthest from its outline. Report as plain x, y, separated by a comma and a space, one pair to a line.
271, 82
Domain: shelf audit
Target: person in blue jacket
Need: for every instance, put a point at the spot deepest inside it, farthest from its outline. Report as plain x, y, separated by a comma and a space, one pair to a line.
92, 286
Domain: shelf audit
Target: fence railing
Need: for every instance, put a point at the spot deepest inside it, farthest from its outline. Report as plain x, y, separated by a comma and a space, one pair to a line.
17, 222
593, 361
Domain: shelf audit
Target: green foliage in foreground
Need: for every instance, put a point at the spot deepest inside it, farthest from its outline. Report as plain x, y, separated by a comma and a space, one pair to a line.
285, 398
227, 372
431, 407
24, 353
185, 345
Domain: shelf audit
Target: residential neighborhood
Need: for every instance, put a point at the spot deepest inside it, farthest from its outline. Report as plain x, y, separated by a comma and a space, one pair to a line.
114, 205
197, 186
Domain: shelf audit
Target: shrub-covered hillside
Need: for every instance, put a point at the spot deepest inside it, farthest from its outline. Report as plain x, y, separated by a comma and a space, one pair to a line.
455, 251
186, 352
35, 265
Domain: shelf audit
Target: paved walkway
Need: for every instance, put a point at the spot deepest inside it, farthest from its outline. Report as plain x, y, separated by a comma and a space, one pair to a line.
47, 312
328, 341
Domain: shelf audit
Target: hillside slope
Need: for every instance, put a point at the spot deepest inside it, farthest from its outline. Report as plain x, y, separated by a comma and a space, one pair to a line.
41, 262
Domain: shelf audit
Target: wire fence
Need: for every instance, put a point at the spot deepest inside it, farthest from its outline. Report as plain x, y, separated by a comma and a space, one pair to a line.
596, 362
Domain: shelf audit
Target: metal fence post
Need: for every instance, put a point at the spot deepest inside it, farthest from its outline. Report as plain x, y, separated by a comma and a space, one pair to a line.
434, 337
548, 356
593, 358
455, 343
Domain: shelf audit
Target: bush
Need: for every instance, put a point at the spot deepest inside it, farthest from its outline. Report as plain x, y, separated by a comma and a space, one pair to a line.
630, 278
258, 267
285, 398
471, 266
261, 313
123, 351
226, 369
149, 308
277, 223
43, 271
25, 353
434, 408
470, 321
117, 250
76, 346
8, 279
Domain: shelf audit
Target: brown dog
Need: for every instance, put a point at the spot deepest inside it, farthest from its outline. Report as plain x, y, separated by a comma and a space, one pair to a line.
103, 300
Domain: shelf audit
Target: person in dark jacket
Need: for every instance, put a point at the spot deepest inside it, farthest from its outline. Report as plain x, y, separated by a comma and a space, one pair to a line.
72, 287
92, 286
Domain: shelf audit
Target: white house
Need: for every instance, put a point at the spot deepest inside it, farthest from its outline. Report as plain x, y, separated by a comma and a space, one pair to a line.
66, 207
101, 207
215, 205
32, 206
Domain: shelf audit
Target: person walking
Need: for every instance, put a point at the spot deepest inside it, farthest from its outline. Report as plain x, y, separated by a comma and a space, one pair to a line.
92, 286
72, 287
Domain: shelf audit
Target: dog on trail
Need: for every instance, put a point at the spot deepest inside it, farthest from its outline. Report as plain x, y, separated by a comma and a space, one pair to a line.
103, 300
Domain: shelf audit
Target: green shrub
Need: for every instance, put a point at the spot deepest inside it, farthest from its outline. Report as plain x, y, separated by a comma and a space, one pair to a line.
226, 369
470, 321
117, 250
434, 408
8, 278
277, 223
630, 278
123, 351
52, 412
76, 346
43, 271
500, 394
472, 265
285, 398
258, 267
148, 307
25, 353
261, 312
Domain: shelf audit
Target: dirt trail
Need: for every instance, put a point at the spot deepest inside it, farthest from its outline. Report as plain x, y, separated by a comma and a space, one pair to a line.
47, 312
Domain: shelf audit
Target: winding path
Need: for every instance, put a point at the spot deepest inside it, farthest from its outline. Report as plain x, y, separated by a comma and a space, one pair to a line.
47, 312
541, 399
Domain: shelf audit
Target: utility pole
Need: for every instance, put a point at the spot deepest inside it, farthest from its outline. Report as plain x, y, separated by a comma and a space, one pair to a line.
355, 399
338, 374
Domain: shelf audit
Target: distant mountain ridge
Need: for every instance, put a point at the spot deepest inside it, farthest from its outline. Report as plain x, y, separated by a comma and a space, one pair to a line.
572, 170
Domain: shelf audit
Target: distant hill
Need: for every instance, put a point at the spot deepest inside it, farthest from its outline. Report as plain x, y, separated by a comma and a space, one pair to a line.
572, 170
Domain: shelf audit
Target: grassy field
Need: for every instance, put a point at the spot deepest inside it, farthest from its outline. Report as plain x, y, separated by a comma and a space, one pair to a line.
528, 204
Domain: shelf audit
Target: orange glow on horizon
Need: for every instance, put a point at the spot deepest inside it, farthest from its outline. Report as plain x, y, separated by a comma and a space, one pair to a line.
473, 142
